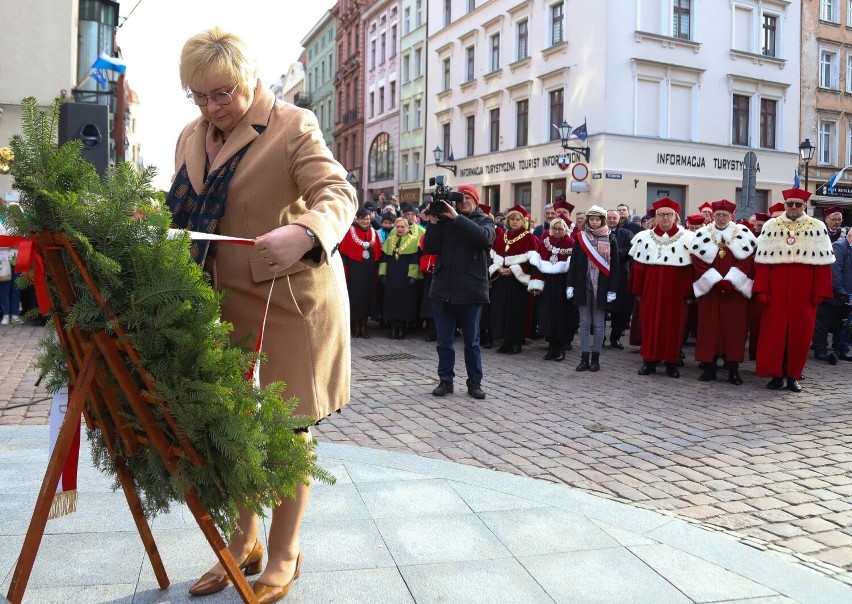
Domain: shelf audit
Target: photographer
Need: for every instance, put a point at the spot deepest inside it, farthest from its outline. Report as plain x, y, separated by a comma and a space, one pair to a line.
461, 237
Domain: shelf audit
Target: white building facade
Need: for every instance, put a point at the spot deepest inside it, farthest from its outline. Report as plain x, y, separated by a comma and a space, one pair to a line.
673, 93
412, 101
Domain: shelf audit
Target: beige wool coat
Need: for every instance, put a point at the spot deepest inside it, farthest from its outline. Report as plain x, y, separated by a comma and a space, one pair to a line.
287, 176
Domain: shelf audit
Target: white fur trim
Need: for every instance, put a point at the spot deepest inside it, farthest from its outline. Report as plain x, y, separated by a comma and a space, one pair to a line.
547, 267
536, 285
519, 273
706, 282
496, 262
740, 281
648, 249
812, 245
517, 259
742, 244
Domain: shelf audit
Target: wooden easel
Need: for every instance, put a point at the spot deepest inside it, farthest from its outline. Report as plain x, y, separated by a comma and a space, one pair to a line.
91, 357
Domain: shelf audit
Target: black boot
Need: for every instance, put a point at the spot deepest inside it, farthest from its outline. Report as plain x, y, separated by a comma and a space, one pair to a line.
551, 352
595, 365
560, 353
443, 387
475, 390
709, 373
584, 362
671, 370
734, 374
648, 367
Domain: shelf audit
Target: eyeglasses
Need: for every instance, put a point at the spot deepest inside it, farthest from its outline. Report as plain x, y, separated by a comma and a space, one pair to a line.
558, 230
665, 214
794, 204
220, 98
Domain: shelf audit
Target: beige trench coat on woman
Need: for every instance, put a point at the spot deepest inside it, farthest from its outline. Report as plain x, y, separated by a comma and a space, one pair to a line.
287, 176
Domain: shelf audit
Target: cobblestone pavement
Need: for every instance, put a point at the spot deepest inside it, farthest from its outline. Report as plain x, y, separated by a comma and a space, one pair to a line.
773, 468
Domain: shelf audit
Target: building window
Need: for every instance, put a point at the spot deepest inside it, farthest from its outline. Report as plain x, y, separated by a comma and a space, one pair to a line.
381, 99
372, 104
418, 62
445, 140
680, 18
522, 194
557, 13
494, 130
446, 74
770, 28
448, 13
556, 113
415, 166
471, 4
392, 97
849, 15
382, 49
406, 69
373, 54
522, 124
495, 52
470, 131
406, 117
417, 107
523, 38
849, 69
381, 158
469, 63
849, 146
492, 197
828, 11
768, 114
393, 41
827, 143
403, 168
406, 21
828, 69
418, 13
739, 134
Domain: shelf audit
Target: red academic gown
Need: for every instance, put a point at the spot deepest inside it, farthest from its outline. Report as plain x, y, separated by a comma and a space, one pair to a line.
791, 293
722, 307
662, 276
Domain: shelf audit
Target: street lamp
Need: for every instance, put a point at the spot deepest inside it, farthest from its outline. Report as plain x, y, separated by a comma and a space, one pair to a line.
806, 150
565, 132
439, 157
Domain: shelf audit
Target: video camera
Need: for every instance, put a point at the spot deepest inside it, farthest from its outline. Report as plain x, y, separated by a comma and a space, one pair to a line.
442, 196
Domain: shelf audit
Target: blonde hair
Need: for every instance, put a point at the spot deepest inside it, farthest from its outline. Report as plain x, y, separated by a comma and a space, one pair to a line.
558, 222
215, 51
524, 222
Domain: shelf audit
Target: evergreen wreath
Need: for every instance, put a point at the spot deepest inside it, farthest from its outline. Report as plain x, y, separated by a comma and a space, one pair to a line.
171, 315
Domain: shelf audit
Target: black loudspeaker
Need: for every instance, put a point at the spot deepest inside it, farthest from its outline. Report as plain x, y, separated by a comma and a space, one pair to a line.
89, 124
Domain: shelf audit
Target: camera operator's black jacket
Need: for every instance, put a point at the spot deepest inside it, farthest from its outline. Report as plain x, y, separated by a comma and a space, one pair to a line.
463, 247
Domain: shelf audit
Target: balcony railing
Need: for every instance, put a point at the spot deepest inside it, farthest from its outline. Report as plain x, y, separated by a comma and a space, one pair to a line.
350, 116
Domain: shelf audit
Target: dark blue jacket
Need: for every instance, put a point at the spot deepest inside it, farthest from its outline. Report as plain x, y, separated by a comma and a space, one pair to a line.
841, 271
463, 247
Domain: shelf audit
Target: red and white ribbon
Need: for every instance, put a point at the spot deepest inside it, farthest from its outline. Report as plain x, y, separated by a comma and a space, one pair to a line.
593, 254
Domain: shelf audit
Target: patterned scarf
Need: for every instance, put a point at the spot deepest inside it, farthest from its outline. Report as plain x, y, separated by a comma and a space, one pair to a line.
599, 238
203, 211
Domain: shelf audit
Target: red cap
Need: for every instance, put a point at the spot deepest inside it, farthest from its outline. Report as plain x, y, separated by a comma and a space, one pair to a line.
832, 210
723, 204
761, 217
796, 194
652, 212
667, 202
695, 219
777, 207
469, 190
561, 203
747, 224
706, 205
485, 208
518, 208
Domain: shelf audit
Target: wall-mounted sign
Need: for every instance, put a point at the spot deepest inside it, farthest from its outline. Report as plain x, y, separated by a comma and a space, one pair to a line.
580, 171
596, 175
614, 175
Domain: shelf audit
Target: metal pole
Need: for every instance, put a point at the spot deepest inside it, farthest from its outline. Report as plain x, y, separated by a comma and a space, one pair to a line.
806, 175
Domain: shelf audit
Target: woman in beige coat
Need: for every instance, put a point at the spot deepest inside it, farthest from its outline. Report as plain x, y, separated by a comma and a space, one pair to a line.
255, 168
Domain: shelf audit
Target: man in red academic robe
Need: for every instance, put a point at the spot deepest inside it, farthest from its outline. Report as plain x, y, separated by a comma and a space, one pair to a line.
792, 276
661, 277
706, 210
723, 259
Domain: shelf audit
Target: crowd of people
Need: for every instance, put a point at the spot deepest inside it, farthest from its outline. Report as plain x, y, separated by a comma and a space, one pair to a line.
769, 287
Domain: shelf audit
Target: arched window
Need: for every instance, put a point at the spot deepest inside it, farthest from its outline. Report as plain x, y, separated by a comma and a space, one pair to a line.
381, 158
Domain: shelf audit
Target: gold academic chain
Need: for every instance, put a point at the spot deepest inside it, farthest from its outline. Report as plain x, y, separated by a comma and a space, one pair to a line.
509, 242
720, 244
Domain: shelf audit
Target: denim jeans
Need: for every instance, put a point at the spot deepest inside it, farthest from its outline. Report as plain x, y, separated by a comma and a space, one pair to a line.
10, 297
467, 315
591, 318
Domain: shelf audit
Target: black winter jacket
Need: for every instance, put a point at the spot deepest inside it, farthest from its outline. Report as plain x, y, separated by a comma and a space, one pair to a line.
462, 246
578, 275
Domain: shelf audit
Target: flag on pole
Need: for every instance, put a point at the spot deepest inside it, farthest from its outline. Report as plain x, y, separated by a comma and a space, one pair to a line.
104, 61
797, 182
581, 132
833, 181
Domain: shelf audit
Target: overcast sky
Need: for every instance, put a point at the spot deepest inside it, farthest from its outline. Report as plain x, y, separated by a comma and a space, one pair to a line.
153, 35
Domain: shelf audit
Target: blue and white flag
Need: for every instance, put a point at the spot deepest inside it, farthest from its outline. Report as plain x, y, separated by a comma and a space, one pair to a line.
797, 182
99, 78
104, 61
833, 181
581, 132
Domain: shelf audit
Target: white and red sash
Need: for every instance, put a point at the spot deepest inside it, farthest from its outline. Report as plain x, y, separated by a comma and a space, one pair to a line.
593, 254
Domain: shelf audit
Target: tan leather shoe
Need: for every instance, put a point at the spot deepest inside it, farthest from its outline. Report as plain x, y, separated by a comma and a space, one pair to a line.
210, 583
266, 594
